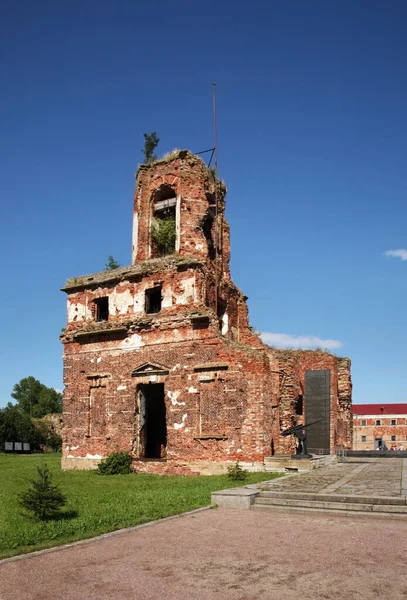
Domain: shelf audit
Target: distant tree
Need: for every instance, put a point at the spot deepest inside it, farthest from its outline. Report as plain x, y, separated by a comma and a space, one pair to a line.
151, 142
111, 263
36, 399
43, 499
49, 436
16, 426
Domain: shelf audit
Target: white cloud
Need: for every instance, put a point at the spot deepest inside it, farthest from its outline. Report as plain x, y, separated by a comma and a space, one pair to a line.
400, 253
285, 340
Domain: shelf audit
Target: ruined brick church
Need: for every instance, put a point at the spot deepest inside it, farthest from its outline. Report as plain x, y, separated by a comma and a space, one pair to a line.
159, 357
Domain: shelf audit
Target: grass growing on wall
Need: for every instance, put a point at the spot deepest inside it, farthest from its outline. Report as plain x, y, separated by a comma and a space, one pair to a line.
95, 504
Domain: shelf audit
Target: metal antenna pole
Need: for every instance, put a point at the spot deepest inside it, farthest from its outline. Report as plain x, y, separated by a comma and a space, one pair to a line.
214, 125
216, 196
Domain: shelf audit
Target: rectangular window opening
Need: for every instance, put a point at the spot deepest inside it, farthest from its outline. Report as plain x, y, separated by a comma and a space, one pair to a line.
299, 408
363, 438
363, 422
153, 300
163, 228
378, 422
393, 438
102, 308
393, 422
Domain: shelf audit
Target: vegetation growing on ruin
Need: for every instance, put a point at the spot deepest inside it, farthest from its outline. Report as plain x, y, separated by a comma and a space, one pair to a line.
111, 264
101, 504
163, 235
151, 141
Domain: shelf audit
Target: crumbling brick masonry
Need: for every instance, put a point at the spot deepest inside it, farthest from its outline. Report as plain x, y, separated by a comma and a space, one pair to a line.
159, 358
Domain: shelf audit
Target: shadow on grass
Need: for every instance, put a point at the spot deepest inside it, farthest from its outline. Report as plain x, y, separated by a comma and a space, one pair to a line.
66, 515
63, 515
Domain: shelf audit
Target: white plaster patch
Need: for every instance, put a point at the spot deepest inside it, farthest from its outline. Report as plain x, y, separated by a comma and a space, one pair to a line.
73, 447
182, 424
166, 297
93, 456
135, 237
133, 341
99, 359
178, 224
225, 323
138, 303
173, 397
120, 301
188, 293
153, 378
192, 390
199, 247
175, 368
121, 387
76, 312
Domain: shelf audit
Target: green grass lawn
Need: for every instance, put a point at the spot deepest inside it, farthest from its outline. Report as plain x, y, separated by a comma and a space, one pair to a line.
102, 503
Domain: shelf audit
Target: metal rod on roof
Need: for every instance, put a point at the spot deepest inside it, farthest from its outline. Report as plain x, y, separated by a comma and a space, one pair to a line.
214, 124
204, 151
216, 196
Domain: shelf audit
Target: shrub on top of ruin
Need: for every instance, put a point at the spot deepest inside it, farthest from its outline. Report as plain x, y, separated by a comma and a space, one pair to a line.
150, 144
236, 473
111, 263
117, 463
163, 235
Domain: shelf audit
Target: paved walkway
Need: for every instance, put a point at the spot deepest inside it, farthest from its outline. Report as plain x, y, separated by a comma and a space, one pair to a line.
227, 554
356, 477
224, 554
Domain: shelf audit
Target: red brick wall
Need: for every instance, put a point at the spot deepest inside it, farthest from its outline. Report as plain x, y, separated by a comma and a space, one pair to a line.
292, 367
227, 395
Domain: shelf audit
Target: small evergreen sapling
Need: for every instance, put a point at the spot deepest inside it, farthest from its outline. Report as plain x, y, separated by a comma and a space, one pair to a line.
150, 144
236, 473
111, 263
43, 499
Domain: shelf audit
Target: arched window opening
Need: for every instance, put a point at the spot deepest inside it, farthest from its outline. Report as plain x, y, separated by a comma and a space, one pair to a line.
223, 317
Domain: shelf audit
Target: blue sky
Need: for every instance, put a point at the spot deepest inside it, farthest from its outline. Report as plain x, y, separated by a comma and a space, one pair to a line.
312, 135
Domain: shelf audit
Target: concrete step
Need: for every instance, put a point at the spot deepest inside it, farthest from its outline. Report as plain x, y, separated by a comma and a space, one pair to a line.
356, 513
388, 500
336, 505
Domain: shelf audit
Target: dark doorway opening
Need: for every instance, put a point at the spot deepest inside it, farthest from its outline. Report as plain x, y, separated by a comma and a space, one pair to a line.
378, 443
153, 423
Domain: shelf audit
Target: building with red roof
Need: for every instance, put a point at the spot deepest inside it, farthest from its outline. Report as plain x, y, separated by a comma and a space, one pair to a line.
379, 426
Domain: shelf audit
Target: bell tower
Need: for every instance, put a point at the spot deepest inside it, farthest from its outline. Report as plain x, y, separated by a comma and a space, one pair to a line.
179, 210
